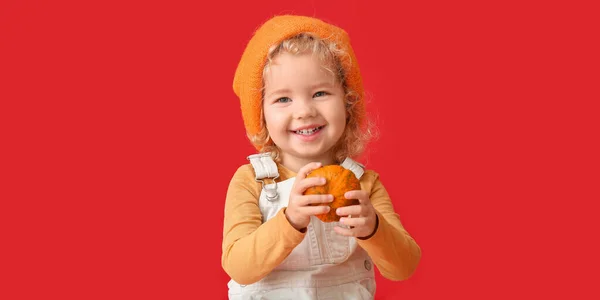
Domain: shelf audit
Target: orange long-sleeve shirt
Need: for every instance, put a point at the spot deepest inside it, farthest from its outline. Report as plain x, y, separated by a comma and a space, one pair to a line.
252, 249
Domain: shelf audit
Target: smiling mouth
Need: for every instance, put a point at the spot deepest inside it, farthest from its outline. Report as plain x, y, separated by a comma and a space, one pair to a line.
308, 131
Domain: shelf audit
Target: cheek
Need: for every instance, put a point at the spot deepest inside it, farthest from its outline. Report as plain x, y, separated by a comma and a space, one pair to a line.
341, 122
339, 115
274, 120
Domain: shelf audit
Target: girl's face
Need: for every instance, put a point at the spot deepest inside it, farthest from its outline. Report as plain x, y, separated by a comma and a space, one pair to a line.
304, 109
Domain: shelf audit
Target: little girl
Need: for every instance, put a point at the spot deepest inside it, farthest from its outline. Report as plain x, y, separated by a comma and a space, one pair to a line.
301, 97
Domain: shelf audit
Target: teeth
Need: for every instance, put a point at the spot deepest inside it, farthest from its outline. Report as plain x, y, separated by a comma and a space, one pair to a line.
308, 131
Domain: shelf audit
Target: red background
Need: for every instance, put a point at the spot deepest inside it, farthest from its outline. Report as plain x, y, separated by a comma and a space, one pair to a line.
120, 132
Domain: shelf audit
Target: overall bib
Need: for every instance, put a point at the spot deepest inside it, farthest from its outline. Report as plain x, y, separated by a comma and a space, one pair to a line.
324, 266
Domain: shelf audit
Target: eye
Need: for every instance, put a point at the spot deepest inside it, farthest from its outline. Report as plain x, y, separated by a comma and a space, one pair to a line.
283, 100
320, 94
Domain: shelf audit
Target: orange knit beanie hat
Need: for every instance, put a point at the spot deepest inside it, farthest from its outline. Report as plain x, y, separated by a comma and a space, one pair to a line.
248, 81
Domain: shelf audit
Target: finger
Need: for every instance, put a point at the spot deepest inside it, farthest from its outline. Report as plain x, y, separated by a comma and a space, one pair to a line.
362, 196
303, 172
344, 231
354, 210
314, 199
353, 222
313, 210
303, 184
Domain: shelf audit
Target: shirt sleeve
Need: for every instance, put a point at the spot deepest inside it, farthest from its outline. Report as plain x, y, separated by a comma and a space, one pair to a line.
252, 249
392, 249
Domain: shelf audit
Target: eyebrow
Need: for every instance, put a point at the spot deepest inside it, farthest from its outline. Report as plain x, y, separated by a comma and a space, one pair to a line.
278, 92
323, 84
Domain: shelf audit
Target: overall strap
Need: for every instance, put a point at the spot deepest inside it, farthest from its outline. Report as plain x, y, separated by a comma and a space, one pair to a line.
356, 168
265, 168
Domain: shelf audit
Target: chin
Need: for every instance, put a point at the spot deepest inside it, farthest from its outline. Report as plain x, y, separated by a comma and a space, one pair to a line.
311, 153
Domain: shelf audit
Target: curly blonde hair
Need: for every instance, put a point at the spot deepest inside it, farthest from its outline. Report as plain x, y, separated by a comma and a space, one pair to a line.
354, 139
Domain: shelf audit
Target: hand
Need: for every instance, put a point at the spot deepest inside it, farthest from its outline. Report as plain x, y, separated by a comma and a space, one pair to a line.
360, 218
299, 210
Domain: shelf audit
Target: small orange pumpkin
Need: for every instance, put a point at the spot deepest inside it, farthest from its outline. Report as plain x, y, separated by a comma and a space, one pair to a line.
339, 180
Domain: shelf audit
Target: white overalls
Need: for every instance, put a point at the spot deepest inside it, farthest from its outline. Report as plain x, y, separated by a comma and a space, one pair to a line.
325, 265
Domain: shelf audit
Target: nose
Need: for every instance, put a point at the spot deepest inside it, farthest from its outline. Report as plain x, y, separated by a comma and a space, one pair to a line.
304, 108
